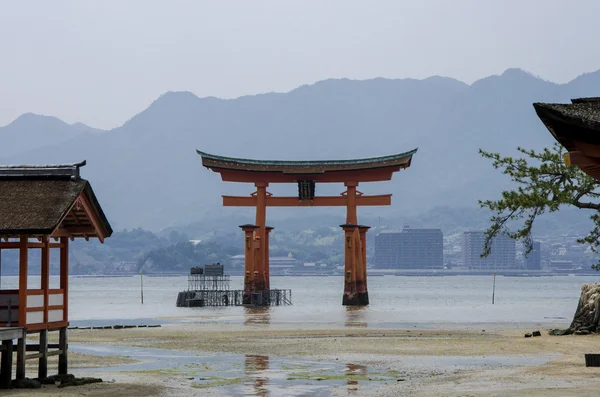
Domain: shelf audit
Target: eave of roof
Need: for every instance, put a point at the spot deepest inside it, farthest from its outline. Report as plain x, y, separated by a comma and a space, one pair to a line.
576, 126
312, 166
36, 200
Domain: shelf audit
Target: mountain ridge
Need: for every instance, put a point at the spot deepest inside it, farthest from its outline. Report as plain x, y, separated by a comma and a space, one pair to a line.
146, 172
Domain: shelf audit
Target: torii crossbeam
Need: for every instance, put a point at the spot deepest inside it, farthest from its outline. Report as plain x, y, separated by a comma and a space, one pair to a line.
306, 174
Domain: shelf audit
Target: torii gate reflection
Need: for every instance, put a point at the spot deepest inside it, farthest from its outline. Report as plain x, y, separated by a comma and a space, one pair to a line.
306, 174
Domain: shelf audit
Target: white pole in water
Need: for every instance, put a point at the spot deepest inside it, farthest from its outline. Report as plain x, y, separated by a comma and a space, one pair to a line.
142, 286
494, 288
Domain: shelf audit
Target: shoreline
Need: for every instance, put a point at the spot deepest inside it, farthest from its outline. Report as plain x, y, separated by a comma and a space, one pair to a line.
449, 362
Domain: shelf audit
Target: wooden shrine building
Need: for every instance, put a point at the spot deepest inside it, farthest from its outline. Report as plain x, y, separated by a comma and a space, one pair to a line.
306, 174
42, 207
576, 126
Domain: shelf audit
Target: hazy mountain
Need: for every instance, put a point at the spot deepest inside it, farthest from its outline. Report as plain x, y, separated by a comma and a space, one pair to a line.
31, 131
146, 172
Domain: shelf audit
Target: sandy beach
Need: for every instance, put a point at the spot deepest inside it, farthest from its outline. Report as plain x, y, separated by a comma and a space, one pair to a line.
399, 362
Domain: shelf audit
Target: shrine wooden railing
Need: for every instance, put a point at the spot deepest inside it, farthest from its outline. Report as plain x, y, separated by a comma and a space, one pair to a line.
44, 309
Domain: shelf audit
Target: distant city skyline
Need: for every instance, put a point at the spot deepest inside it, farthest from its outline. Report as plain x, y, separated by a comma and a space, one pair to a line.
99, 63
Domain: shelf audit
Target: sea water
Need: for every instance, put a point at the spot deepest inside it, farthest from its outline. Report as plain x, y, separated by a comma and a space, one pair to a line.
395, 301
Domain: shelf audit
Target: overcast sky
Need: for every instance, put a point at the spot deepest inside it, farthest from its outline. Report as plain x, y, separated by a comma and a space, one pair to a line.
100, 62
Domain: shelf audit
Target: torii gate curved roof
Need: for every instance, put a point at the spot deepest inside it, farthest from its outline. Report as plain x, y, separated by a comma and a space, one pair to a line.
371, 169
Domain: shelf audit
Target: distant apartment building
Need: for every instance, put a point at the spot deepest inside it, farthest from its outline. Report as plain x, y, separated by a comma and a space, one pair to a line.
533, 260
503, 252
410, 249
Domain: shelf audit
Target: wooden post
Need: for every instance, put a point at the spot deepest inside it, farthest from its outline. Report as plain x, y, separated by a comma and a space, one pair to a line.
261, 222
256, 276
248, 261
351, 217
63, 346
23, 261
362, 229
64, 275
21, 356
267, 263
349, 297
6, 364
45, 274
64, 285
43, 360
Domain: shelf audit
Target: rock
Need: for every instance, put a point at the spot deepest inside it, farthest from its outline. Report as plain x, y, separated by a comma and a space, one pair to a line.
51, 380
118, 327
536, 333
528, 335
560, 332
582, 332
400, 380
587, 314
80, 382
26, 384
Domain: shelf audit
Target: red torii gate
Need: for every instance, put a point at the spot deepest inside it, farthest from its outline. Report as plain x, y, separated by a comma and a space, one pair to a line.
306, 174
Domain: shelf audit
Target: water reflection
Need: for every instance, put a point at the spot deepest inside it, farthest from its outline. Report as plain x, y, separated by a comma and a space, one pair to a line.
255, 368
355, 316
360, 371
257, 315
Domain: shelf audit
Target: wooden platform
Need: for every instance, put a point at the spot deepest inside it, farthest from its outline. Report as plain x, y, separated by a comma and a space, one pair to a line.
10, 333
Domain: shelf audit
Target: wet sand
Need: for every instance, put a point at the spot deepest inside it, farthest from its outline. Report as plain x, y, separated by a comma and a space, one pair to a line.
427, 362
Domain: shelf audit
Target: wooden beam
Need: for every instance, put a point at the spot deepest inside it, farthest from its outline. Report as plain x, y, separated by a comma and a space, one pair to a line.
323, 201
6, 363
21, 343
17, 245
63, 357
69, 231
43, 359
580, 158
370, 175
92, 218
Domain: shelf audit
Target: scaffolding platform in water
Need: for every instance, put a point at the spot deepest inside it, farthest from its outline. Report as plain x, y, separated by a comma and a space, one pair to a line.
273, 297
208, 286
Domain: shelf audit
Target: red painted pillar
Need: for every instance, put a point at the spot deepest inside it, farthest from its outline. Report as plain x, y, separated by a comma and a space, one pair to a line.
362, 280
349, 298
261, 222
248, 261
23, 263
267, 264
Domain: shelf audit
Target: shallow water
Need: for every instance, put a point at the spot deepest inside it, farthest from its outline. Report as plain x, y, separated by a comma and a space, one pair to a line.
396, 302
243, 375
259, 375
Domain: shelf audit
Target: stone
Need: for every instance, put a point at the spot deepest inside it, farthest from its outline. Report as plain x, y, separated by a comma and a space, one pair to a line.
53, 379
560, 332
80, 382
528, 335
582, 332
587, 314
536, 333
26, 384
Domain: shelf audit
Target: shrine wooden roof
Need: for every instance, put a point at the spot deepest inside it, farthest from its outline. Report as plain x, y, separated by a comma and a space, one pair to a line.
49, 200
361, 170
576, 126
